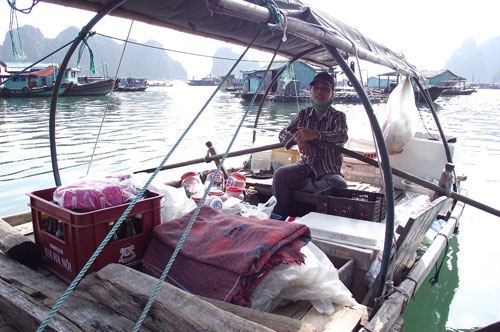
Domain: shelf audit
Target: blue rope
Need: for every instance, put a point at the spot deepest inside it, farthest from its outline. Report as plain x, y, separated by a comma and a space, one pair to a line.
200, 204
91, 260
276, 16
91, 54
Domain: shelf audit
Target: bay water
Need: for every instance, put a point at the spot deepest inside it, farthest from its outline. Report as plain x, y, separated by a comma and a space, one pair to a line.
128, 132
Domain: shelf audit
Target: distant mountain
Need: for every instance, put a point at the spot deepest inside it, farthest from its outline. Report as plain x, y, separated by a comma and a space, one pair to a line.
106, 53
222, 66
478, 63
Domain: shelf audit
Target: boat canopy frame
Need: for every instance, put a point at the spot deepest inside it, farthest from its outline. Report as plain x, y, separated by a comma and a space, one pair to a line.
305, 30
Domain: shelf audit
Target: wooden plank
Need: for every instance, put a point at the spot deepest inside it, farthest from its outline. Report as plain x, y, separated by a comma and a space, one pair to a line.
25, 229
19, 247
18, 310
343, 319
346, 273
127, 291
296, 310
412, 236
275, 322
398, 325
42, 293
390, 310
18, 219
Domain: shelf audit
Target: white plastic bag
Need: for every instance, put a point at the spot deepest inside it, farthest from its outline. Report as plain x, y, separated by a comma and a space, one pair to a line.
316, 280
268, 206
174, 203
397, 127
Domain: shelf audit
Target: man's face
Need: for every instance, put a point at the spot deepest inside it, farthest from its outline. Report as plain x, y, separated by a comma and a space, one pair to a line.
321, 93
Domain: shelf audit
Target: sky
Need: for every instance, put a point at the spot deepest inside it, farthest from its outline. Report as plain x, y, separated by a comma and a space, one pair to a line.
427, 32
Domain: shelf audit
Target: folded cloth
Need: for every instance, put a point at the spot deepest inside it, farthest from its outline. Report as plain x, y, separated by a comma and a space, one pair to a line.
224, 257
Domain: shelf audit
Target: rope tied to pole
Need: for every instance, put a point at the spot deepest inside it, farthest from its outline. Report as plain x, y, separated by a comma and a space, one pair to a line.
435, 278
91, 54
276, 17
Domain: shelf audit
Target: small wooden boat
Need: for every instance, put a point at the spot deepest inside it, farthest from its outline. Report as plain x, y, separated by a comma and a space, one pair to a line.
38, 83
131, 84
113, 297
97, 88
206, 81
39, 91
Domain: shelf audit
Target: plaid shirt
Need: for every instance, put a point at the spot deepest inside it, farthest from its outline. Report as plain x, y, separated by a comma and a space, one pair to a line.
331, 128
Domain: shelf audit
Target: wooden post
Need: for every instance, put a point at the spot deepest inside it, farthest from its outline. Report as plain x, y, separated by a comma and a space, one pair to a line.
213, 152
19, 247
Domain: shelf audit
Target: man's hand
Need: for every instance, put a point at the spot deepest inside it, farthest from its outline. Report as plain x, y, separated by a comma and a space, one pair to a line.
304, 148
305, 135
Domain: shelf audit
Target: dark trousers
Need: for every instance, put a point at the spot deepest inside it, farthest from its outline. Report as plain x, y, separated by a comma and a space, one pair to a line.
297, 177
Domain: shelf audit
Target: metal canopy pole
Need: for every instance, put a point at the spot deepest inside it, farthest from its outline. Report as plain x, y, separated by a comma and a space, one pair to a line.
436, 119
385, 162
306, 31
57, 85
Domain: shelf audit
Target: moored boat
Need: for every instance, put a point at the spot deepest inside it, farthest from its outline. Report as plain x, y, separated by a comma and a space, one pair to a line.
206, 81
400, 272
42, 91
97, 88
131, 84
38, 83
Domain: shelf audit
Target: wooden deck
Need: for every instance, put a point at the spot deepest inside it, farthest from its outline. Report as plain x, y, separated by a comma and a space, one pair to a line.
112, 298
27, 296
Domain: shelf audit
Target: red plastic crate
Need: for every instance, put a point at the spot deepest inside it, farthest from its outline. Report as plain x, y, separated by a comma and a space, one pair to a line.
84, 232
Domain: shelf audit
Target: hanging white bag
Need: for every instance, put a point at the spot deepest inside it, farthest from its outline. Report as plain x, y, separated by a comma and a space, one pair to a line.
268, 206
397, 127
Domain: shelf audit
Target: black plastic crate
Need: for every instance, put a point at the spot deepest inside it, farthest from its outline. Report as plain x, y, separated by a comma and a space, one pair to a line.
356, 204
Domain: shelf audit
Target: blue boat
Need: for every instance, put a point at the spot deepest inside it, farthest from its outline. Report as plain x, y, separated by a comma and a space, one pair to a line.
31, 84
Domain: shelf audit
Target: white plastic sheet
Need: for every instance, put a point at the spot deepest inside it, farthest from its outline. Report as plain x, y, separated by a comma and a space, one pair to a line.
316, 280
174, 203
397, 128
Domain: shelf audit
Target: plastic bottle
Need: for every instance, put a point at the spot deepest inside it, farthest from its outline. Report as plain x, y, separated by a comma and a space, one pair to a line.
60, 231
214, 202
235, 192
191, 183
236, 180
218, 185
374, 270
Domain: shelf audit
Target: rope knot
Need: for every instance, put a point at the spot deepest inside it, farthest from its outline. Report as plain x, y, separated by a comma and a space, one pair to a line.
276, 17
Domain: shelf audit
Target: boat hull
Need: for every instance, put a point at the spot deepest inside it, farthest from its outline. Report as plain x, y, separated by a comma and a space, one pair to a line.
29, 93
130, 89
99, 88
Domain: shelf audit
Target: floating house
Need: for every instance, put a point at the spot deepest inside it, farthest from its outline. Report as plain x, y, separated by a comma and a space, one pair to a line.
293, 79
454, 84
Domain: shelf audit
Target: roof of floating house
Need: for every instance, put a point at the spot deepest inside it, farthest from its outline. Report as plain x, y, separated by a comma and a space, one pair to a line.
436, 73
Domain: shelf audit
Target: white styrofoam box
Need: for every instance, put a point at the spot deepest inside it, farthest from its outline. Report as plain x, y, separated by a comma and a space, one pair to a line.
424, 158
362, 257
355, 232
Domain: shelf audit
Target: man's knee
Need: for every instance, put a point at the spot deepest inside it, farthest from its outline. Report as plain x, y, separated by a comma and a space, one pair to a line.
336, 181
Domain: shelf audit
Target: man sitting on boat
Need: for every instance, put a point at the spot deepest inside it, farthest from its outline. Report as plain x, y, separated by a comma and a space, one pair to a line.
319, 166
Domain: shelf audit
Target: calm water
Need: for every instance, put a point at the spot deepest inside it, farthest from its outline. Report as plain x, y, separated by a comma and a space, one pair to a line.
140, 128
